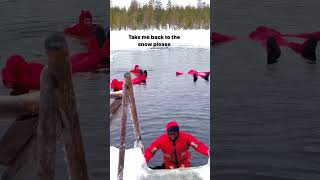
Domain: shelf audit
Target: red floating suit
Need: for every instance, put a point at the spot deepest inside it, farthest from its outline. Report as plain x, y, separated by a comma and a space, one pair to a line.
136, 70
204, 75
89, 61
179, 73
307, 49
176, 154
141, 78
144, 77
20, 74
105, 50
85, 62
262, 33
136, 80
81, 29
116, 85
218, 38
305, 35
192, 71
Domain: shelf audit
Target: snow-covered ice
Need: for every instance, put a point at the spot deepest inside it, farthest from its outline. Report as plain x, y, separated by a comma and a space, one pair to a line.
135, 168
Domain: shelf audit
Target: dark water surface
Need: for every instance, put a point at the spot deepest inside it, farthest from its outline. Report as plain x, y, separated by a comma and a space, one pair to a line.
266, 118
24, 25
166, 97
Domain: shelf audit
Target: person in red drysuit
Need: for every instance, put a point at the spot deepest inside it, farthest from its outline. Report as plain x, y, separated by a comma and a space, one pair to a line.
136, 70
85, 27
178, 73
141, 77
175, 147
217, 38
21, 76
96, 55
306, 49
195, 74
116, 85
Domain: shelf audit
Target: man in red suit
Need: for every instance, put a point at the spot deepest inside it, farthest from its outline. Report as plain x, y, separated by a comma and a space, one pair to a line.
175, 147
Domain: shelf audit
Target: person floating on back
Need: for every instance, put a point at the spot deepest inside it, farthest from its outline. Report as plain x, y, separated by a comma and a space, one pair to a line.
175, 146
217, 38
21, 76
141, 78
195, 74
306, 49
273, 50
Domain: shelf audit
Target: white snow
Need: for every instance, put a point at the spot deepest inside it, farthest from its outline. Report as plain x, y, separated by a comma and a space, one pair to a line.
199, 38
135, 168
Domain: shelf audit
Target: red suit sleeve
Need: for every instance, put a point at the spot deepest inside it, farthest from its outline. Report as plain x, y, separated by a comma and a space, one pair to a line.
198, 145
70, 30
152, 149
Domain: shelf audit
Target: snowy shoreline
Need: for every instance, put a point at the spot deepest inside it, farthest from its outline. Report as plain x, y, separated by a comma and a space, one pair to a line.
119, 40
135, 168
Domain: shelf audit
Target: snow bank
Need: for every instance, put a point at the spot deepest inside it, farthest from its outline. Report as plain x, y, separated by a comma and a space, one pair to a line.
135, 168
199, 38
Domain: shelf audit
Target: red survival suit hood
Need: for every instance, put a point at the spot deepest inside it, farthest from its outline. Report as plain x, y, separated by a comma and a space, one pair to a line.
171, 124
84, 14
81, 29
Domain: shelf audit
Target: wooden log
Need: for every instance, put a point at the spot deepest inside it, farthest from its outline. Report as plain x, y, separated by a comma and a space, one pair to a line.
115, 109
67, 108
134, 113
25, 163
48, 111
122, 148
15, 106
116, 115
15, 138
115, 105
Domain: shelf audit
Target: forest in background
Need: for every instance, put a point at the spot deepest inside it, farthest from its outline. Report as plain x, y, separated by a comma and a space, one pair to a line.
155, 15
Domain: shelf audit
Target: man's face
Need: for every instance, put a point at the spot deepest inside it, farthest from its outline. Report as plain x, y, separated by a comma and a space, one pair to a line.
173, 135
88, 21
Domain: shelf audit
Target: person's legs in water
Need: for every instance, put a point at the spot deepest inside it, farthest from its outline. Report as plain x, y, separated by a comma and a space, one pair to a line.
195, 77
206, 77
273, 50
100, 35
144, 77
309, 51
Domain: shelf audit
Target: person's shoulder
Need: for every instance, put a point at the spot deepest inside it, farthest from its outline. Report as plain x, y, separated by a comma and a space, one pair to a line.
161, 139
184, 134
163, 136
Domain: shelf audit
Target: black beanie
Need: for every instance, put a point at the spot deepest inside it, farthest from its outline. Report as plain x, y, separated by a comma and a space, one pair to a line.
173, 129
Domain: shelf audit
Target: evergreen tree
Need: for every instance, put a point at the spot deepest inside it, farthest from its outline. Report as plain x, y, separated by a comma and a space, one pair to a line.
153, 15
